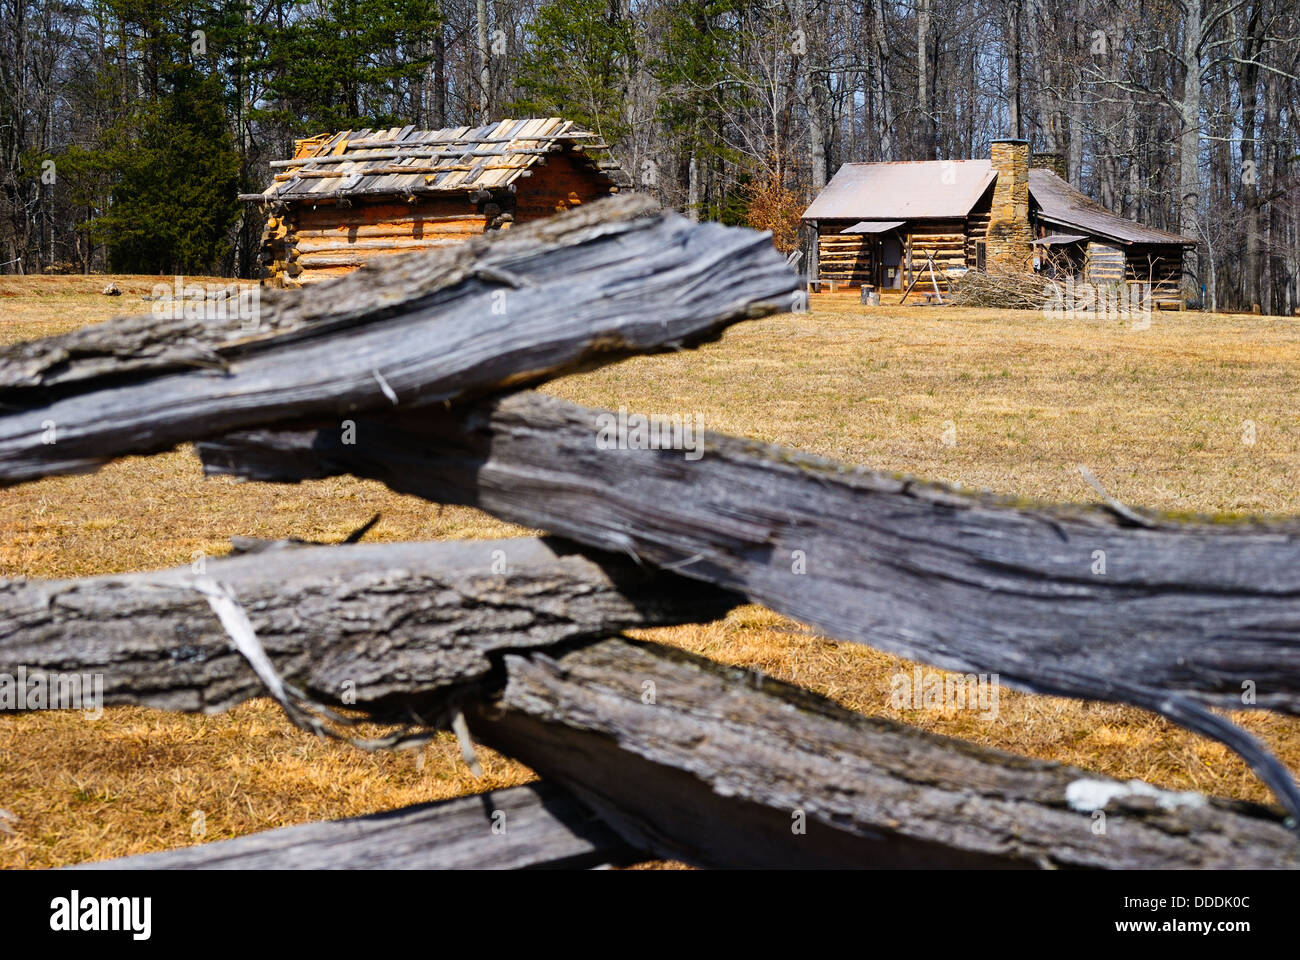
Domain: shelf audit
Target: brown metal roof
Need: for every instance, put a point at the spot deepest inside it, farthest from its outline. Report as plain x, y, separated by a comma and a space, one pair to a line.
1061, 204
902, 190
1059, 239
403, 160
937, 189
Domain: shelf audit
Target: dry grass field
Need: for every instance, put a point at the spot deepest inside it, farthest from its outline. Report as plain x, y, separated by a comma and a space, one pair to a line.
1159, 416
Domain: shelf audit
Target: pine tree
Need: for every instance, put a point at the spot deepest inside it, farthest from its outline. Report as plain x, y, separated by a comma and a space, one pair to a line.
176, 179
575, 66
344, 64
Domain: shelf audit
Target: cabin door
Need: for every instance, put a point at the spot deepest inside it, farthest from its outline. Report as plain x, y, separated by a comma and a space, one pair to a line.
891, 255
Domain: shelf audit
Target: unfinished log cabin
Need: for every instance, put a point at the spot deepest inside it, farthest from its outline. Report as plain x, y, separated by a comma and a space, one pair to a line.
891, 226
348, 197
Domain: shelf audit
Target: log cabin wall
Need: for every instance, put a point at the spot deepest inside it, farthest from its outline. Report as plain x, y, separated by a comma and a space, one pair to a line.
845, 258
1103, 263
977, 231
315, 242
1160, 265
311, 242
560, 183
943, 241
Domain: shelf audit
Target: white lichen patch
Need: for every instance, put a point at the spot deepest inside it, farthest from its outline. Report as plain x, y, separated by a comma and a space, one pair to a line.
1089, 795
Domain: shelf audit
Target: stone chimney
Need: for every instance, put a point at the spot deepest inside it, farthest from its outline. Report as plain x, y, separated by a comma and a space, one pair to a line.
1009, 243
1050, 161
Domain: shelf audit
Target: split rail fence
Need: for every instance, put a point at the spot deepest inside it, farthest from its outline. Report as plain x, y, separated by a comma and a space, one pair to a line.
415, 372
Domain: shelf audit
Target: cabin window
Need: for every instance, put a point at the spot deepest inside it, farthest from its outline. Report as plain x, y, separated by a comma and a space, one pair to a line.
979, 255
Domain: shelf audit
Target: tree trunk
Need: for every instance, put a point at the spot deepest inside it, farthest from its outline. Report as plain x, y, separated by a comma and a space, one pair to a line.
924, 132
1271, 166
440, 77
1189, 144
484, 69
880, 73
1014, 92
1075, 158
1250, 41
693, 189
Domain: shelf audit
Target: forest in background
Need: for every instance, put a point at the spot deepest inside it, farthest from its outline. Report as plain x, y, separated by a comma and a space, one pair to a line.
128, 127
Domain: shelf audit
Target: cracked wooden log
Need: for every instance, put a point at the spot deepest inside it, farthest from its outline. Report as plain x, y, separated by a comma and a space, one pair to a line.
1184, 615
509, 308
711, 765
530, 827
389, 629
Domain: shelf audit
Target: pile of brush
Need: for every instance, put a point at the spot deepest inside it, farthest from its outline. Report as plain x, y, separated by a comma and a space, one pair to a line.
1018, 290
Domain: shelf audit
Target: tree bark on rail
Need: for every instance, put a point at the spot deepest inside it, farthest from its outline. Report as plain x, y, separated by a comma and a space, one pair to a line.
507, 309
1178, 616
391, 629
696, 761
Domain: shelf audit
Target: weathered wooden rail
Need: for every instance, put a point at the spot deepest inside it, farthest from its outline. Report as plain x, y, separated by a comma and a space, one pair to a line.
411, 621
644, 750
1185, 615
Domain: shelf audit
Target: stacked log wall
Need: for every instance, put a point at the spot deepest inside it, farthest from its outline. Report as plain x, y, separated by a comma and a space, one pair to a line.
561, 182
844, 257
1103, 263
943, 241
1159, 265
314, 241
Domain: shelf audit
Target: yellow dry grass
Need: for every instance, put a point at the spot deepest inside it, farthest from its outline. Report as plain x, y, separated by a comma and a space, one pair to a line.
1159, 415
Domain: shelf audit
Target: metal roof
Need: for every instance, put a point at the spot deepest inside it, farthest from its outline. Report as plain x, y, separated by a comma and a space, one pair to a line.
1057, 239
938, 189
905, 190
403, 160
1061, 204
873, 226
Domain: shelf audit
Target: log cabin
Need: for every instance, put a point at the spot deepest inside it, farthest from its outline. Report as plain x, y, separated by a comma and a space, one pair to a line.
883, 224
346, 198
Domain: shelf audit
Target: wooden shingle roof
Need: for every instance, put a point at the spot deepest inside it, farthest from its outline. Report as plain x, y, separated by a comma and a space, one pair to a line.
403, 160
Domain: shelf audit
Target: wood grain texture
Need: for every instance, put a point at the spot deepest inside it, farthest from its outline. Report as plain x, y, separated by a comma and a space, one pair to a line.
529, 827
1184, 616
401, 627
695, 761
507, 309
